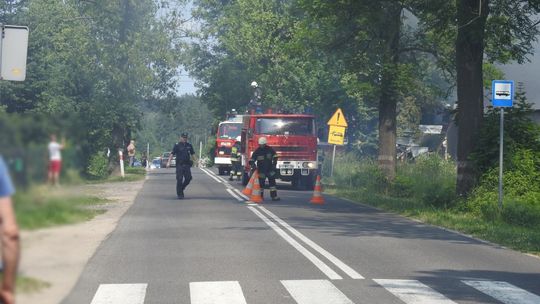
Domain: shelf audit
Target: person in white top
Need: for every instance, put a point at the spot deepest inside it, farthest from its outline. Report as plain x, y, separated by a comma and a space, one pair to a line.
55, 160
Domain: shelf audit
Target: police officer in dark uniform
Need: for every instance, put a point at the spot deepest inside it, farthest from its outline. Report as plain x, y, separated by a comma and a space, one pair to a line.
184, 153
264, 159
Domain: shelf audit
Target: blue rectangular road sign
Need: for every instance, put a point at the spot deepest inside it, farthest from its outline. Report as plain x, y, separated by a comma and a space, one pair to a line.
503, 93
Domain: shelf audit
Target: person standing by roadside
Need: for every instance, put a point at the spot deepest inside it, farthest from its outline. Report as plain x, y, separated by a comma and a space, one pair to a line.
184, 160
236, 162
9, 234
55, 160
131, 152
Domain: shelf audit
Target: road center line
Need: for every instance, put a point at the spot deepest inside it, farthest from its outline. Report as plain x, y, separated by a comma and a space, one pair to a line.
241, 194
310, 256
235, 195
214, 174
217, 180
341, 265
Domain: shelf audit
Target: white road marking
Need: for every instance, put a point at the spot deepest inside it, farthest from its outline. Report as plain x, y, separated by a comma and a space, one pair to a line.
316, 261
413, 292
222, 179
217, 177
241, 194
504, 292
235, 195
315, 292
341, 265
217, 180
216, 293
120, 294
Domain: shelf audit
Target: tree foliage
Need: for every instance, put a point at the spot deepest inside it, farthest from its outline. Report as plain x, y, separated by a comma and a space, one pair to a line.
93, 64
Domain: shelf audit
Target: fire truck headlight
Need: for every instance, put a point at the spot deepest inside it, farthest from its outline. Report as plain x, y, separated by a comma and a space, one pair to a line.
308, 165
221, 152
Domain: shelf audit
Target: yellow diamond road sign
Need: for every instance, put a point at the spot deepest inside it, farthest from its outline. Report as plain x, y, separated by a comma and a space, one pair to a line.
338, 119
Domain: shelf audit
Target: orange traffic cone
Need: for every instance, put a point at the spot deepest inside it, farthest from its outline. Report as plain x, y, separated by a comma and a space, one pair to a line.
317, 197
256, 195
249, 187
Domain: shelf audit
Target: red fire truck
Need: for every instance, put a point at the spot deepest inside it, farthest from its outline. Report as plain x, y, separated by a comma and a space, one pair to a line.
228, 133
292, 136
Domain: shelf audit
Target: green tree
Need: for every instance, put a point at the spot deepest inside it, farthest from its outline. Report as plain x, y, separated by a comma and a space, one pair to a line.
496, 30
93, 64
520, 133
385, 53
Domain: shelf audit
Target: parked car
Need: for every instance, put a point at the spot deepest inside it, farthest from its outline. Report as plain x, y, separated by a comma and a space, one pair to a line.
156, 163
165, 158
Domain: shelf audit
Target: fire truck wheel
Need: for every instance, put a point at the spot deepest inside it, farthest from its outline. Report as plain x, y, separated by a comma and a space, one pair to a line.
299, 183
309, 181
303, 182
221, 171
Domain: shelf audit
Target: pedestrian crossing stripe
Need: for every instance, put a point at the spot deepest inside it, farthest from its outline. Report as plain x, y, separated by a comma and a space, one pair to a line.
216, 293
504, 292
315, 292
120, 294
413, 292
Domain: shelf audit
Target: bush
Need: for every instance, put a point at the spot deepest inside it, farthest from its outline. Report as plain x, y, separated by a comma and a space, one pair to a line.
361, 174
430, 179
521, 213
97, 167
521, 204
403, 185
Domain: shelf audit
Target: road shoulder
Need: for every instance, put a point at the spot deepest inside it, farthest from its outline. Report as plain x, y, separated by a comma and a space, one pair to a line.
58, 255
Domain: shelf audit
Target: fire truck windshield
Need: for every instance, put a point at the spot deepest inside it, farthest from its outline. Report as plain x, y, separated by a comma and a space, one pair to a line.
230, 130
285, 126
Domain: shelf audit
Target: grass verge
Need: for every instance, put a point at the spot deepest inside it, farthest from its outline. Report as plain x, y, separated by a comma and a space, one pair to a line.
524, 239
132, 174
41, 208
28, 285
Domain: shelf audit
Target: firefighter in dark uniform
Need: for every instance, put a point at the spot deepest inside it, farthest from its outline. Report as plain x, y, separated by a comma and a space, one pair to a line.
236, 162
264, 159
184, 153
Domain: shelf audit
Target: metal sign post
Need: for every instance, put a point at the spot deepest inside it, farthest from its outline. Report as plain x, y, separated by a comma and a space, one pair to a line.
333, 161
503, 96
147, 156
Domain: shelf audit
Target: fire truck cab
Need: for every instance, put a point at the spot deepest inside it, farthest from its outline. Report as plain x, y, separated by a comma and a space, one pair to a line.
228, 133
292, 136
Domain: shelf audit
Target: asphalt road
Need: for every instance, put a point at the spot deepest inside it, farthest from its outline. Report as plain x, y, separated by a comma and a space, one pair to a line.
215, 247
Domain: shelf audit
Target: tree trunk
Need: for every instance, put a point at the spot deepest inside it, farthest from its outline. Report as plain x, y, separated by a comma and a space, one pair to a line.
389, 94
469, 59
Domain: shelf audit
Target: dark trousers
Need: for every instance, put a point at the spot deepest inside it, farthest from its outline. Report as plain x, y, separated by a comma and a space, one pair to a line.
271, 183
236, 169
183, 177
